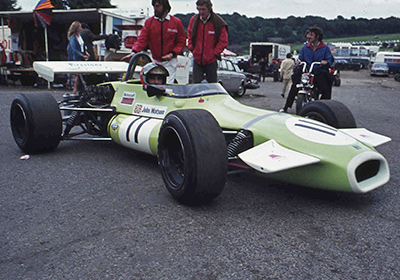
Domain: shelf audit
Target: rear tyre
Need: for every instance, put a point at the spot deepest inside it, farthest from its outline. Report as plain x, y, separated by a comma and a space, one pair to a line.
192, 156
241, 91
36, 122
337, 82
331, 112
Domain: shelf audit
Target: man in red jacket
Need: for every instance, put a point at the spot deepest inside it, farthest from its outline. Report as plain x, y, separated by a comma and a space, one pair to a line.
208, 37
165, 36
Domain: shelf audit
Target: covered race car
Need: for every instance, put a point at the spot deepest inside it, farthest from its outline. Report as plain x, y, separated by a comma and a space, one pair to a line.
200, 133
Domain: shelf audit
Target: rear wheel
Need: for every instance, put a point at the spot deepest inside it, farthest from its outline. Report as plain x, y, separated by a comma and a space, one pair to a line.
336, 82
36, 122
331, 112
192, 156
241, 91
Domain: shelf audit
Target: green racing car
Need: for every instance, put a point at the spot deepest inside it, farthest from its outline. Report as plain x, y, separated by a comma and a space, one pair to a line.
200, 133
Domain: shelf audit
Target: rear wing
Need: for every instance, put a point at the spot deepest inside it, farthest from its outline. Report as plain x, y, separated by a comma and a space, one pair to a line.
47, 69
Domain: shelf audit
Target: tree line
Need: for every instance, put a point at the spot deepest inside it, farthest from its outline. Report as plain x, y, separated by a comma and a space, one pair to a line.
291, 30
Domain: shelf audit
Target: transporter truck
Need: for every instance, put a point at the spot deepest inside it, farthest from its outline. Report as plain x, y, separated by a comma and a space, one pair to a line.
269, 51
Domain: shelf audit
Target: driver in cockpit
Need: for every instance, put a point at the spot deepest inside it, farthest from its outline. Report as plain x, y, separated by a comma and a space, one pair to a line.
154, 74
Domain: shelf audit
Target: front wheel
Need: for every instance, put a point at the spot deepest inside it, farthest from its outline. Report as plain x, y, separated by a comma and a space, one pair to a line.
192, 155
331, 112
36, 122
300, 102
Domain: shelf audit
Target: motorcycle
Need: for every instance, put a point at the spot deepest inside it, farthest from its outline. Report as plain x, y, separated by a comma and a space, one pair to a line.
307, 92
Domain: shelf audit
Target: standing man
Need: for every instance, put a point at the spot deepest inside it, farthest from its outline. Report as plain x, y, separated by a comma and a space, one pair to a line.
208, 37
287, 67
88, 37
263, 65
165, 36
316, 50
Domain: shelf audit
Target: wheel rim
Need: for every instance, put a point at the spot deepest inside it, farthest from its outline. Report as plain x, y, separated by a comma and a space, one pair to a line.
315, 116
241, 90
173, 158
19, 123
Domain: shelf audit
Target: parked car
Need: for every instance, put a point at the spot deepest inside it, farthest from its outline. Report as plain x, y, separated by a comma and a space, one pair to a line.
363, 62
343, 64
232, 80
252, 81
380, 69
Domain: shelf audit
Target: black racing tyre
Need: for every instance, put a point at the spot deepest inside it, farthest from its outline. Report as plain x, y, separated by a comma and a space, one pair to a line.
241, 91
397, 77
331, 112
300, 102
192, 155
36, 122
337, 82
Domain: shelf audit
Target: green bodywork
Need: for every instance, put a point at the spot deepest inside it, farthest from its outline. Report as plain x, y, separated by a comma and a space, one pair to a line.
330, 173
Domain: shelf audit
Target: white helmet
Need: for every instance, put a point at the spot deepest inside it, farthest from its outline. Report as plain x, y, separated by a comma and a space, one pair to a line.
153, 70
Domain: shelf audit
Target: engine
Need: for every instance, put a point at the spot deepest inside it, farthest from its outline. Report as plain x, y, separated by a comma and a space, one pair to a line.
98, 95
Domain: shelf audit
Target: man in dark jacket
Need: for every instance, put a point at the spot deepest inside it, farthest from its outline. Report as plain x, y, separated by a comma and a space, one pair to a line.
208, 37
88, 37
316, 50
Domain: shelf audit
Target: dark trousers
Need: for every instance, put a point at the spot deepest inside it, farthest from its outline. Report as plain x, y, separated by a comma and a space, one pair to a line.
293, 89
210, 70
323, 84
262, 75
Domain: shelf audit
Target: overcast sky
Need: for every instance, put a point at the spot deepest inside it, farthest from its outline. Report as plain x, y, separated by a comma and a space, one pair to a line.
271, 9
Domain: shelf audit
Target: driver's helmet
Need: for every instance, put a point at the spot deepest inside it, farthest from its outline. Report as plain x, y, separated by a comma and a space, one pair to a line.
154, 73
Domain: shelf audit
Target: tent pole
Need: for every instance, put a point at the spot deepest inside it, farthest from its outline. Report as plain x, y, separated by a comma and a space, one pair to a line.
101, 32
46, 43
47, 48
2, 27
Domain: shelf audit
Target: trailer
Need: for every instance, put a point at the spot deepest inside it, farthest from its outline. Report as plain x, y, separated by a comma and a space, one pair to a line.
269, 51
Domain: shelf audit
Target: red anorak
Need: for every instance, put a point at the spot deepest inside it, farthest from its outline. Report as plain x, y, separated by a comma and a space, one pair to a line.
206, 50
163, 37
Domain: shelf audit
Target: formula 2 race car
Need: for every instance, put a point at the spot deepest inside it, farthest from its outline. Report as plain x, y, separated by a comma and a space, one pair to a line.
200, 133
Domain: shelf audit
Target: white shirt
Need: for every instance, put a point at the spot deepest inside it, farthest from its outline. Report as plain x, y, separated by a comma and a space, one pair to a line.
81, 43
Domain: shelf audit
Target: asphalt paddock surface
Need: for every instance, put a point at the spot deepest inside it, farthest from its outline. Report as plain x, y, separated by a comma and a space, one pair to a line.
99, 211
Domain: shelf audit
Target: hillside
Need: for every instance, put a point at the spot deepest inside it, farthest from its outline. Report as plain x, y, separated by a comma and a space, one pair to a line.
243, 30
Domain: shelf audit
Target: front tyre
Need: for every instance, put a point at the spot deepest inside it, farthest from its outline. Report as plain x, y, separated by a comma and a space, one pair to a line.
192, 156
331, 112
300, 102
36, 122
